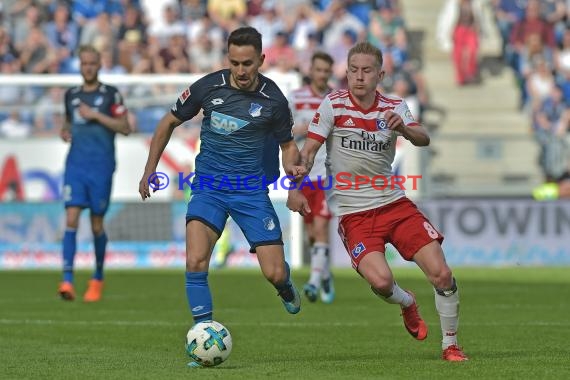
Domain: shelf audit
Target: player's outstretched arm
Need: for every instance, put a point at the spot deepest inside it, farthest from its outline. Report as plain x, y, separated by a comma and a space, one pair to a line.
159, 141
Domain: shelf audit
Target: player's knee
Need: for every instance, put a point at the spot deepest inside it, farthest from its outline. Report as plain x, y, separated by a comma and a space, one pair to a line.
442, 279
275, 274
97, 229
196, 264
381, 285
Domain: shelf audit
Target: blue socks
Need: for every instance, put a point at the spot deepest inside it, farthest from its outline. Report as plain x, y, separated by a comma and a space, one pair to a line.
100, 243
199, 296
69, 249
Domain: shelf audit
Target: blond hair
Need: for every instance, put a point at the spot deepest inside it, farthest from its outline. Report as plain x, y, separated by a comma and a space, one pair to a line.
368, 49
88, 49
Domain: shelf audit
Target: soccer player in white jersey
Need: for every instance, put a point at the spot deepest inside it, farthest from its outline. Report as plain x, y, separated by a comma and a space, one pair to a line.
360, 127
304, 102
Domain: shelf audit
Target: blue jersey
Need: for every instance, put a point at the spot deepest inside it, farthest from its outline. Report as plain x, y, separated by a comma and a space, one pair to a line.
240, 132
92, 144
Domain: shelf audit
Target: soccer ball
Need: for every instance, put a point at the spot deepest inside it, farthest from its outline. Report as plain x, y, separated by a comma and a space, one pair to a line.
208, 343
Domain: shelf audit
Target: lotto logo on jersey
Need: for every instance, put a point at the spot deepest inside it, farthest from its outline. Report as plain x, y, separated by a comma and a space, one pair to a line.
356, 251
381, 124
185, 95
225, 124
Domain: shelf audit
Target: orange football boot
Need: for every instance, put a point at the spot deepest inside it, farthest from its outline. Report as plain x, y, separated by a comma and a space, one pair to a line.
66, 291
454, 353
413, 321
94, 291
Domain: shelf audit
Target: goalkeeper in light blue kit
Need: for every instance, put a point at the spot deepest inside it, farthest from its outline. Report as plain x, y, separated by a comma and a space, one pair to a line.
244, 114
94, 114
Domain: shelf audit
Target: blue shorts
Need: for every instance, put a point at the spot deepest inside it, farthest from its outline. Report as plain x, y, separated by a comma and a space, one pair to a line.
252, 212
87, 190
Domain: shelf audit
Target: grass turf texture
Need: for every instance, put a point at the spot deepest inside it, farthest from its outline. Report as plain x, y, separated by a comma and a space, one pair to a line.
514, 324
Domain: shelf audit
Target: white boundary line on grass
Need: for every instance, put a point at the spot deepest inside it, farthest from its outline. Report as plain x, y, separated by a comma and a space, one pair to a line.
263, 324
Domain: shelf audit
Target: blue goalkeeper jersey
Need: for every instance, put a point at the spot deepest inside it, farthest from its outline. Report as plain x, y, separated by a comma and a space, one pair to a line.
92, 144
240, 132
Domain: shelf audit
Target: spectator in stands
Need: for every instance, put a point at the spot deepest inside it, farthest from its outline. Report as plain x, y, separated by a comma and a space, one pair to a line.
532, 23
37, 56
562, 54
384, 22
280, 52
171, 25
172, 58
507, 13
550, 128
268, 23
529, 56
63, 34
99, 32
554, 12
192, 10
7, 50
22, 26
203, 56
340, 20
466, 44
540, 83
225, 12
14, 127
48, 118
10, 94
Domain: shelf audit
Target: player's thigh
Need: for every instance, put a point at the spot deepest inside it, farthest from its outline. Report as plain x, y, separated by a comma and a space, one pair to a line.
99, 192
209, 208
376, 271
431, 260
75, 189
412, 230
361, 235
256, 217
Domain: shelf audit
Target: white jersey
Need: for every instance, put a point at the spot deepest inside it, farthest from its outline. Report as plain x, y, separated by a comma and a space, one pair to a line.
358, 143
304, 103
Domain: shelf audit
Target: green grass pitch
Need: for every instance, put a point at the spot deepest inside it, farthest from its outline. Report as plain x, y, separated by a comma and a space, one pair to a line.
515, 324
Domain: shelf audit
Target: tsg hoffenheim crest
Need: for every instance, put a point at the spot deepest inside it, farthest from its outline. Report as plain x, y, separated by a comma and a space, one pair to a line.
255, 109
268, 223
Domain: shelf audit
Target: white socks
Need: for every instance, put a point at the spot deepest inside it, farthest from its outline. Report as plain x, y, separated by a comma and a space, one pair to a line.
399, 296
447, 305
320, 263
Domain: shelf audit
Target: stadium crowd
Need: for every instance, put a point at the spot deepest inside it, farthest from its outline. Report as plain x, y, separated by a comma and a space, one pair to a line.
186, 36
536, 45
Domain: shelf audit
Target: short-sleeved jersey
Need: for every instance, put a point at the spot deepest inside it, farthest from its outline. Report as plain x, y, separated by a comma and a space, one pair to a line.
304, 103
239, 130
358, 143
92, 144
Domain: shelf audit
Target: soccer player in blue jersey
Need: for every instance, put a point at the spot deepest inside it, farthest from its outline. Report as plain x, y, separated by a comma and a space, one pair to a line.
94, 114
243, 112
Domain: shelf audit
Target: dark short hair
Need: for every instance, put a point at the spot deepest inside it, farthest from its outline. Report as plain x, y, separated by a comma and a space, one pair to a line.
246, 35
323, 57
